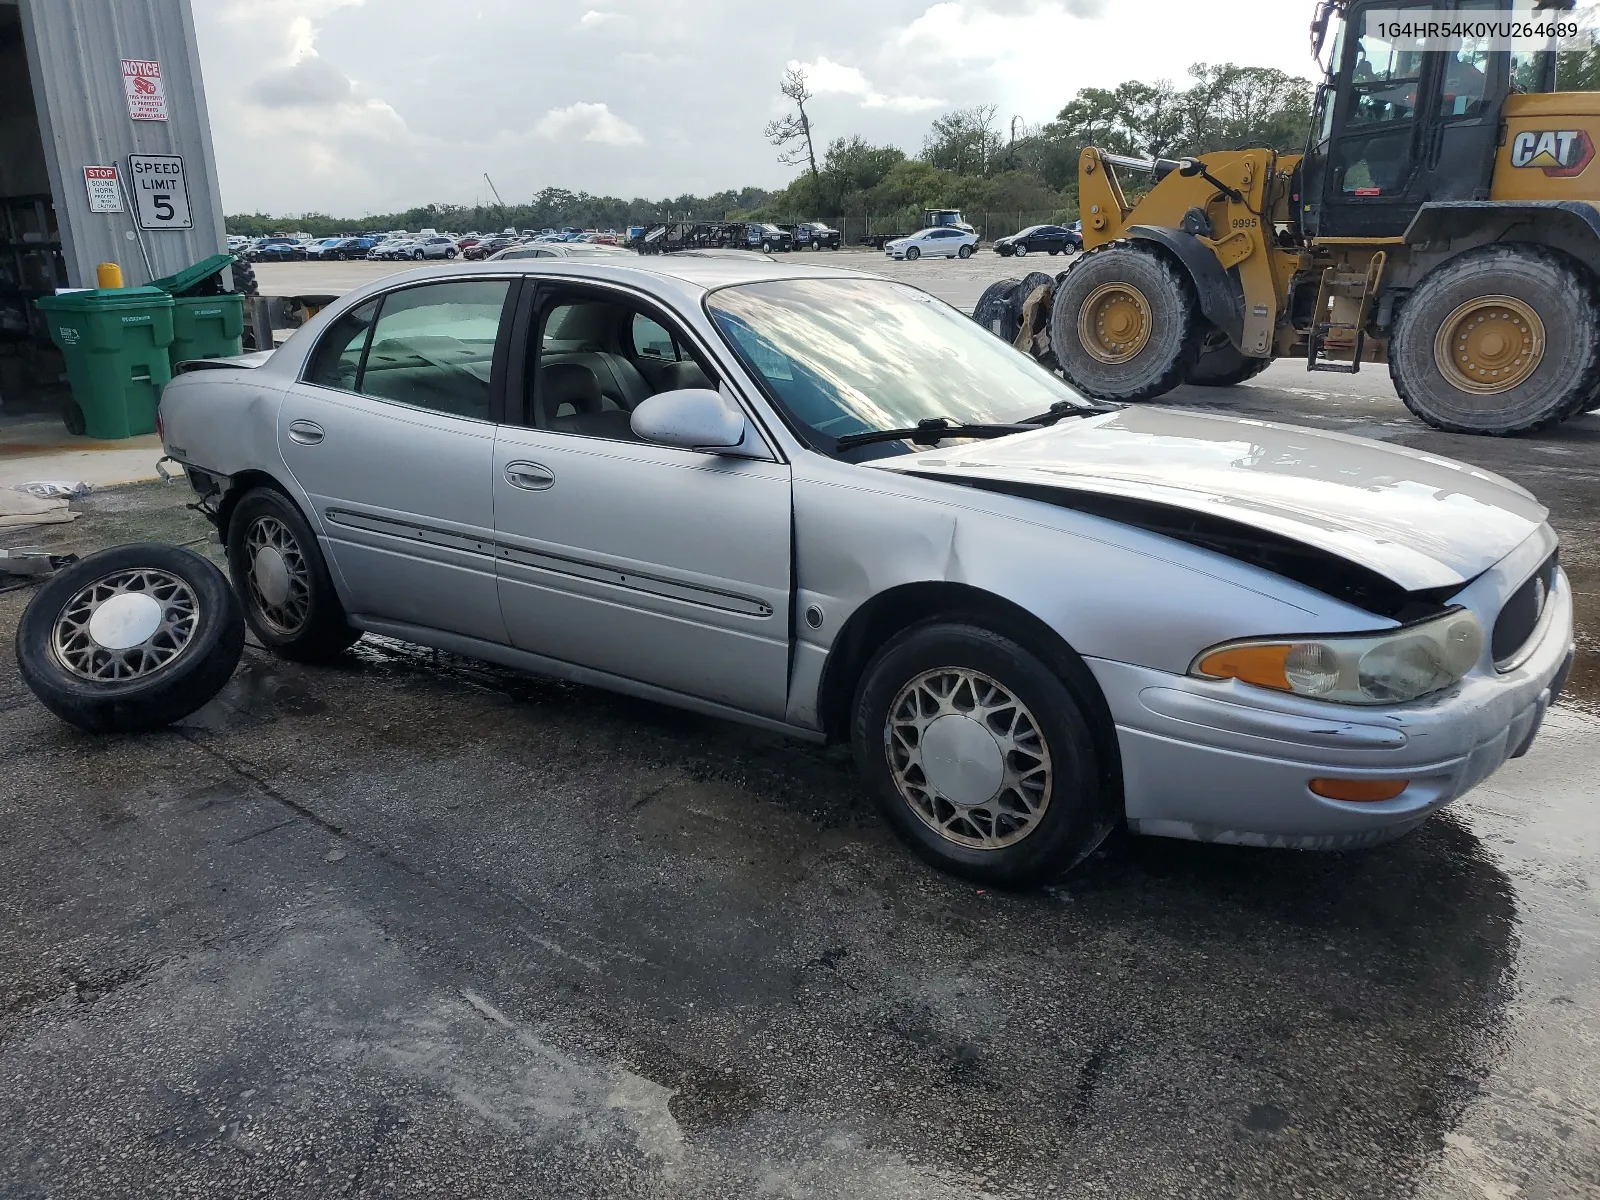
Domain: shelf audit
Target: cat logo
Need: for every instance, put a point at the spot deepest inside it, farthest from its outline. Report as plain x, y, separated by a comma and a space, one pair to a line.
1560, 154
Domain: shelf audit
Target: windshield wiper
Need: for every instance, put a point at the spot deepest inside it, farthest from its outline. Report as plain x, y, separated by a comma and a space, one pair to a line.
1065, 408
931, 432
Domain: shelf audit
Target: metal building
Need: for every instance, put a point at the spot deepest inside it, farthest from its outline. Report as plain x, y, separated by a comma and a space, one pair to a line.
102, 107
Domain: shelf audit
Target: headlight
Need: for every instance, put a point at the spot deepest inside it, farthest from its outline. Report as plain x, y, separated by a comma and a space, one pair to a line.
1391, 667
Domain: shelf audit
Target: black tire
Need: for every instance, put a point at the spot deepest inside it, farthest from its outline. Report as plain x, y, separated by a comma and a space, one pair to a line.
212, 639
1076, 813
1053, 253
766, 247
1559, 289
1004, 251
1225, 367
964, 252
995, 311
1173, 344
244, 279
314, 627
913, 254
72, 417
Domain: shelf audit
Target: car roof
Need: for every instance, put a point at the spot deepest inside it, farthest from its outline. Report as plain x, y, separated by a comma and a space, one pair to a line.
688, 278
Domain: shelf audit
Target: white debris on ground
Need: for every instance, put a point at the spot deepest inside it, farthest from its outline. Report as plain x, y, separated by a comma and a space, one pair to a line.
19, 509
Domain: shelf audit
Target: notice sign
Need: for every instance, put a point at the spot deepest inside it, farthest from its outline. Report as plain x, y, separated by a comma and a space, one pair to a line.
160, 195
104, 194
147, 95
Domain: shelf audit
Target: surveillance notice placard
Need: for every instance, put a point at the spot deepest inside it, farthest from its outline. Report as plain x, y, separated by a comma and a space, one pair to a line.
104, 194
147, 94
160, 194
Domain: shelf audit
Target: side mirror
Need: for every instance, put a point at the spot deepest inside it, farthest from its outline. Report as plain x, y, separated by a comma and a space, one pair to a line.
691, 419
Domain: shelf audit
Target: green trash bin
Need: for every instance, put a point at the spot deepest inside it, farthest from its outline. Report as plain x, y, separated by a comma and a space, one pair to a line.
116, 344
207, 322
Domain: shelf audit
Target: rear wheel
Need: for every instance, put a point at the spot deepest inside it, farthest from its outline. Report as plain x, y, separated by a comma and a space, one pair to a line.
1124, 324
979, 755
1225, 367
964, 252
282, 581
1500, 340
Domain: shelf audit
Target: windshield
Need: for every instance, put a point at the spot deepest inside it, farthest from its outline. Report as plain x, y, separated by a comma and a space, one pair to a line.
859, 355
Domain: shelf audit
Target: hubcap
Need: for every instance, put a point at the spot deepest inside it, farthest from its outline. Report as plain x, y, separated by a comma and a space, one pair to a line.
1489, 345
1114, 322
968, 758
125, 626
280, 580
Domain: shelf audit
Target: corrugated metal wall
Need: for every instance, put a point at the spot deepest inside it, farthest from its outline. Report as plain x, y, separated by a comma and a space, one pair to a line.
75, 53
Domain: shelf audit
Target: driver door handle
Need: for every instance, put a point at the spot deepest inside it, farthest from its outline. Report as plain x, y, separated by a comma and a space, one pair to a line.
530, 477
307, 433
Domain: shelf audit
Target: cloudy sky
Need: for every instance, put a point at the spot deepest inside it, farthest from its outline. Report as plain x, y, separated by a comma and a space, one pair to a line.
352, 106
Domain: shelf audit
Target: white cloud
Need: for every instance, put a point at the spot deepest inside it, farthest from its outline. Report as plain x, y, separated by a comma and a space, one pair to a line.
582, 122
312, 82
827, 78
595, 19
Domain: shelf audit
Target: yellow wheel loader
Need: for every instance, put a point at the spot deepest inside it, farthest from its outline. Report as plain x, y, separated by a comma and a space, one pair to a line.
1444, 220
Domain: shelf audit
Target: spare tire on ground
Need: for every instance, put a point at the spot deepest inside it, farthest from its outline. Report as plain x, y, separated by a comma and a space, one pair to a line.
995, 311
132, 638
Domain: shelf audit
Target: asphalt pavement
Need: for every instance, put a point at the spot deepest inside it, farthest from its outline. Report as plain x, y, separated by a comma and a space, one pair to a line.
415, 926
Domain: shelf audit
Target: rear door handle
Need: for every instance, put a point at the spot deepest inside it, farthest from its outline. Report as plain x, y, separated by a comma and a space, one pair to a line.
307, 433
530, 477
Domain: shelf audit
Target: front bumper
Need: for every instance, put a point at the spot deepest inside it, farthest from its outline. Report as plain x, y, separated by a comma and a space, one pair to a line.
1225, 762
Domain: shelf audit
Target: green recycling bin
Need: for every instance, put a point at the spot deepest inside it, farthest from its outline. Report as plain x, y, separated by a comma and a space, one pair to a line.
207, 322
116, 344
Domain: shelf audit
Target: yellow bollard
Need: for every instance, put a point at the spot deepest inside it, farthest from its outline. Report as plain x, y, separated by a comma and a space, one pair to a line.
108, 275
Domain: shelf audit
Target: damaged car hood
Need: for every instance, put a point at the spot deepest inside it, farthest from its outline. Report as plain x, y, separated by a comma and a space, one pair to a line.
1419, 521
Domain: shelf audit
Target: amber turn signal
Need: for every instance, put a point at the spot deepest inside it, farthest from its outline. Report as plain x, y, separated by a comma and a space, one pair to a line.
1360, 791
1260, 665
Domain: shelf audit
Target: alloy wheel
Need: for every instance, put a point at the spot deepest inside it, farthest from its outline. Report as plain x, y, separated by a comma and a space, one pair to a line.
125, 626
968, 757
280, 578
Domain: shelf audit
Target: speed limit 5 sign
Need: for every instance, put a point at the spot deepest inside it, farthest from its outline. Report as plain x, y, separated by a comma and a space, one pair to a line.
160, 195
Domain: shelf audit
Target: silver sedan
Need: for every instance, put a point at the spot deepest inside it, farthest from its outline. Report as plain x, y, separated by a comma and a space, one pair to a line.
828, 504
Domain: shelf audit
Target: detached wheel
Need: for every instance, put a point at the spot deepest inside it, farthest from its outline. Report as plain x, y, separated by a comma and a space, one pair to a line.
1225, 367
979, 755
1500, 340
282, 581
996, 310
1124, 324
131, 638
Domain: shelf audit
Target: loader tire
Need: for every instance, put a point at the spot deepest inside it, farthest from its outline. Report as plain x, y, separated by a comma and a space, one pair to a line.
1125, 327
995, 311
1501, 340
1225, 367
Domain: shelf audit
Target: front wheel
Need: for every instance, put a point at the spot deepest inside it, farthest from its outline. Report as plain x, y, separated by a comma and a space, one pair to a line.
1123, 324
449, 253
913, 254
1021, 251
979, 756
282, 581
766, 247
1499, 340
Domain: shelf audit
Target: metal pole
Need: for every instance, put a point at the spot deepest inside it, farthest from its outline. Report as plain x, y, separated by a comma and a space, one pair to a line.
133, 224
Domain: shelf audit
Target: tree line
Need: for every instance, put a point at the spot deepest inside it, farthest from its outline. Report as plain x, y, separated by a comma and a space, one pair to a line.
967, 160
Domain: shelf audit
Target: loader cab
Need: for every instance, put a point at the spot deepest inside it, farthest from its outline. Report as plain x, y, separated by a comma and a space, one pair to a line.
1397, 124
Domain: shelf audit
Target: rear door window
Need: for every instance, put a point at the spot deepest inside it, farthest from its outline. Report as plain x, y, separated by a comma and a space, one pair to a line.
433, 346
